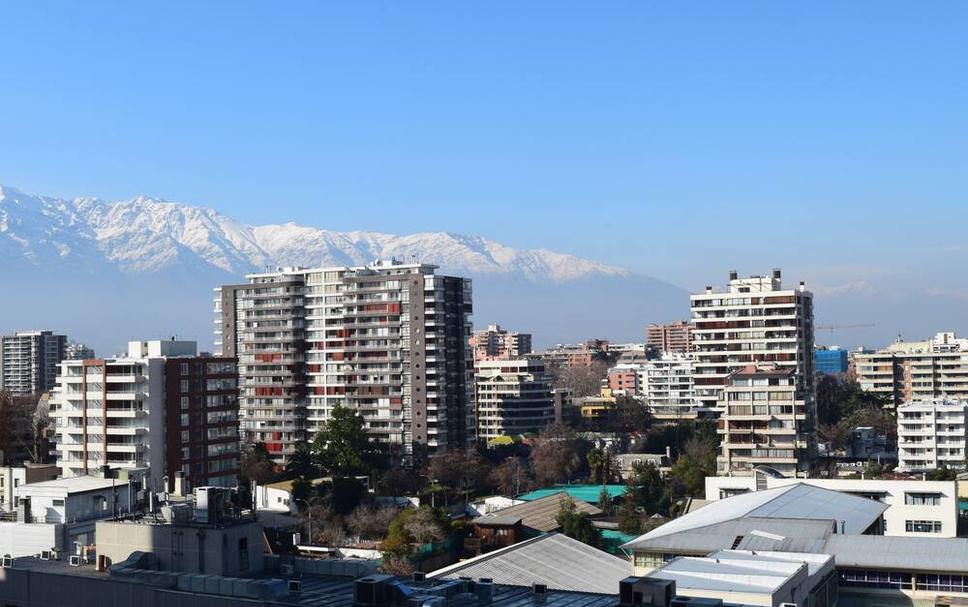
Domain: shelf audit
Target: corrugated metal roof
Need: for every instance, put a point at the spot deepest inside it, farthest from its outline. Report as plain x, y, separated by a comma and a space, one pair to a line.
929, 554
785, 535
553, 559
541, 513
793, 502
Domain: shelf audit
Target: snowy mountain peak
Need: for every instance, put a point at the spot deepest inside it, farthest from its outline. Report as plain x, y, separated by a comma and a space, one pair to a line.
147, 234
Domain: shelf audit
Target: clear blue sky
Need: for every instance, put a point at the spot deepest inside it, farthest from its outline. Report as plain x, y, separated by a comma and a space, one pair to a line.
678, 139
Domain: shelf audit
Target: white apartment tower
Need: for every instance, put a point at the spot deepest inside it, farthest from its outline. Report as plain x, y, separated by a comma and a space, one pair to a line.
931, 434
28, 361
513, 397
754, 320
389, 340
666, 386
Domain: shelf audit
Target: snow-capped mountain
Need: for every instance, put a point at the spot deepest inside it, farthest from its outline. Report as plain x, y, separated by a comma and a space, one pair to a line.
107, 272
149, 235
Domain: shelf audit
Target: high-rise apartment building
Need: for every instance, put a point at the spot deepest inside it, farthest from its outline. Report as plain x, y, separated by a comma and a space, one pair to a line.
495, 343
513, 397
28, 361
909, 371
765, 421
161, 406
830, 361
932, 434
672, 337
388, 340
754, 321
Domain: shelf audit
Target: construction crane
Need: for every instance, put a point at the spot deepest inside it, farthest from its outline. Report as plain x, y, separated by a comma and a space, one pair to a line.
832, 328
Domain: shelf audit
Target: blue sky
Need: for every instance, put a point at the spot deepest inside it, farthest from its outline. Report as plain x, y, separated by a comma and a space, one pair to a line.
677, 139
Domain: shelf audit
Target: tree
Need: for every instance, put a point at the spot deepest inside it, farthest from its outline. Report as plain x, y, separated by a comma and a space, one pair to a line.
301, 464
577, 525
370, 522
629, 519
345, 494
459, 469
605, 500
17, 428
602, 466
556, 456
410, 527
697, 461
302, 490
342, 446
581, 380
256, 465
942, 474
399, 482
646, 489
512, 477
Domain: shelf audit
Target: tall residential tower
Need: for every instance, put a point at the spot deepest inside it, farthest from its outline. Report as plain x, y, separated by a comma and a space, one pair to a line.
388, 340
28, 361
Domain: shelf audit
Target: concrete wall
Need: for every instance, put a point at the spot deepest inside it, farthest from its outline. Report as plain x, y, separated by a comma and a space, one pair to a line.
192, 549
24, 539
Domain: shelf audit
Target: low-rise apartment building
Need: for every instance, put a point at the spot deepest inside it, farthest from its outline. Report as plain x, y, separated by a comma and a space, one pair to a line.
12, 477
931, 434
513, 397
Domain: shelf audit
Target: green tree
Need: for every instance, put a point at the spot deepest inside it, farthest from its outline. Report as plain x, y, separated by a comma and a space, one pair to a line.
300, 463
942, 474
578, 525
698, 460
605, 500
629, 518
647, 490
342, 447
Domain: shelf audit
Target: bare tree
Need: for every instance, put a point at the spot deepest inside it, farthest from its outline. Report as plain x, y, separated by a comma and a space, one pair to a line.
424, 527
512, 477
556, 457
370, 522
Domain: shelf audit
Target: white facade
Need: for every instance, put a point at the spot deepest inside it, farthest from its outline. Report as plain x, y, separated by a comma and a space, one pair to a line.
755, 320
513, 397
666, 385
112, 411
61, 514
931, 434
915, 508
12, 477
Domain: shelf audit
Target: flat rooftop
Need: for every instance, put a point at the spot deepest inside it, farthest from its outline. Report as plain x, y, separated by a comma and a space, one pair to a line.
76, 484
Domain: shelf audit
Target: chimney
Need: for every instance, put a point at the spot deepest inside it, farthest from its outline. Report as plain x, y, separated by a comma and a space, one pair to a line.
709, 289
803, 287
776, 273
733, 275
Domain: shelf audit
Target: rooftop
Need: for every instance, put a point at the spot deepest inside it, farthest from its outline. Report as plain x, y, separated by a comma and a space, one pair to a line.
798, 503
903, 553
556, 560
585, 493
541, 514
738, 571
76, 484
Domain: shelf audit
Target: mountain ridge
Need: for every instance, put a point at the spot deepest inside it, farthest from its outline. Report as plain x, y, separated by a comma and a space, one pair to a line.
146, 234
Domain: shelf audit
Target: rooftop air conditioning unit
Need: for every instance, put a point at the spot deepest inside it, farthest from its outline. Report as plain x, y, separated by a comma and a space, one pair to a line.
539, 593
7, 561
294, 586
76, 560
45, 555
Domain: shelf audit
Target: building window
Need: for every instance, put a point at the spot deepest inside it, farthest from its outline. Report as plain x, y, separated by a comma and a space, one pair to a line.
58, 502
875, 579
922, 526
922, 499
